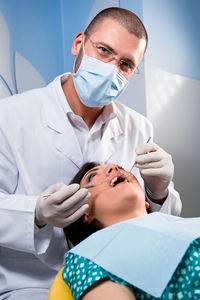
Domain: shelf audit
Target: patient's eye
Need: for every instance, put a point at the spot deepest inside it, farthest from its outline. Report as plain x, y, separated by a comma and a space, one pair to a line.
89, 177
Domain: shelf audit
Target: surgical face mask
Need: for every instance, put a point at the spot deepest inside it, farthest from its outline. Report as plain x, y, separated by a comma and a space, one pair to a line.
98, 83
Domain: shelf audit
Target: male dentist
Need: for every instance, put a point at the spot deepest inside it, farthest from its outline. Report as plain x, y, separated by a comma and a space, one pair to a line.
48, 133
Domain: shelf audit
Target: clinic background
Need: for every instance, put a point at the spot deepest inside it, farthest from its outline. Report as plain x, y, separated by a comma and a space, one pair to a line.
35, 45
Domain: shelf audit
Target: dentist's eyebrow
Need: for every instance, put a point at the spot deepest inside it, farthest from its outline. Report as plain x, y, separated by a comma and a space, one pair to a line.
108, 47
129, 60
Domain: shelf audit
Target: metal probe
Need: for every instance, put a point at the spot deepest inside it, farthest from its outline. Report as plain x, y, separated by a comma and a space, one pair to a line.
135, 161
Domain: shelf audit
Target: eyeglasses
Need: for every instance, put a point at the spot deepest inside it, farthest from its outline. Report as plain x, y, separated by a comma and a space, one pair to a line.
106, 55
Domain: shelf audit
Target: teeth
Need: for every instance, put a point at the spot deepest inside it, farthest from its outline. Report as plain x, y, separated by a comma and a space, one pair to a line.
113, 181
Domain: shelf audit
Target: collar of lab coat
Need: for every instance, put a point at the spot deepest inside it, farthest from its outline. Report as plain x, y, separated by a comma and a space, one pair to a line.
54, 116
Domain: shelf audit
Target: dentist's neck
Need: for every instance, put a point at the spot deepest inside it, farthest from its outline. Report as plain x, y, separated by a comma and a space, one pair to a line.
88, 114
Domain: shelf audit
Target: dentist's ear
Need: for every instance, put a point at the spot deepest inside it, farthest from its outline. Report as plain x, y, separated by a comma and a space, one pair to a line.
87, 219
77, 42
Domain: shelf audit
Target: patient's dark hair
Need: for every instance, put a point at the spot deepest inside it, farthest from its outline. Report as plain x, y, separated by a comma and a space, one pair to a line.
78, 231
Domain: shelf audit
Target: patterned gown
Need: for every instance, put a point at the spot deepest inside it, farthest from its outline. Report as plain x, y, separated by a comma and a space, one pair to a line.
80, 273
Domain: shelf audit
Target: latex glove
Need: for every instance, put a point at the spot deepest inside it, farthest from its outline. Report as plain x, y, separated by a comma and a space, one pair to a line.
63, 206
156, 168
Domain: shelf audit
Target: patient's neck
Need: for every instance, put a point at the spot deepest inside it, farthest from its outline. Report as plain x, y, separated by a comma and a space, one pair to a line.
120, 218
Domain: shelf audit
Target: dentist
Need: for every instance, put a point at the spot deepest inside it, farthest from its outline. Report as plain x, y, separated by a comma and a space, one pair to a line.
47, 134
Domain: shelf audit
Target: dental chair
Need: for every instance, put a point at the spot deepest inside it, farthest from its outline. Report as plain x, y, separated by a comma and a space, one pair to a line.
59, 290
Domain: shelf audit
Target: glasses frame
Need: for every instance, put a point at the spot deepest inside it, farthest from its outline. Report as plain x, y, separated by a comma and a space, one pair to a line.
113, 57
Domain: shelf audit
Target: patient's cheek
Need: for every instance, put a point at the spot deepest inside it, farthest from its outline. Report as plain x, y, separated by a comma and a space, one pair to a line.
140, 194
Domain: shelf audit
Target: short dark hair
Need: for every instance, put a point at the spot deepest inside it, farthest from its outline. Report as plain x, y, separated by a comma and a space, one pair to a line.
124, 17
78, 231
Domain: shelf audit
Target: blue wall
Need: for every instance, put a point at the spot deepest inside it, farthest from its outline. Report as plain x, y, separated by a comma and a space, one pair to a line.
36, 33
174, 35
74, 17
43, 31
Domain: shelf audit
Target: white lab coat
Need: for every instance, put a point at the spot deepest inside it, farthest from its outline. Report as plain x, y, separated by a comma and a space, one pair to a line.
38, 148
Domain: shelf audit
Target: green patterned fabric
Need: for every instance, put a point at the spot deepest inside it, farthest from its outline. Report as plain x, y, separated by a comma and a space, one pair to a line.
80, 273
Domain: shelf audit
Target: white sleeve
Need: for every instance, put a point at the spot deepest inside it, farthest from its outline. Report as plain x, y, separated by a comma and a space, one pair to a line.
17, 227
172, 204
17, 211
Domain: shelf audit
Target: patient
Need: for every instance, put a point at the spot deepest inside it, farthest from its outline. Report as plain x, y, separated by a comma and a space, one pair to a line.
119, 197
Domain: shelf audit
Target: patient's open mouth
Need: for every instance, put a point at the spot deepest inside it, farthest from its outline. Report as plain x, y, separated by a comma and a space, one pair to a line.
118, 179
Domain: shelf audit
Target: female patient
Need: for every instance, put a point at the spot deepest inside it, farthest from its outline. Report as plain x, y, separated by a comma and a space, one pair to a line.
116, 197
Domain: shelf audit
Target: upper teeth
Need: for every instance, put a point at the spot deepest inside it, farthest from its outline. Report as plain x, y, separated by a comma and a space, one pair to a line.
113, 181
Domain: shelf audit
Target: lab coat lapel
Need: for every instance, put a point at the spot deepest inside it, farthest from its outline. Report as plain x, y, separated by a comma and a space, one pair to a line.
67, 144
65, 140
112, 135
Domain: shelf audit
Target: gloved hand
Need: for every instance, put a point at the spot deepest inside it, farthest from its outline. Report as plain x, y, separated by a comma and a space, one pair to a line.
63, 206
156, 168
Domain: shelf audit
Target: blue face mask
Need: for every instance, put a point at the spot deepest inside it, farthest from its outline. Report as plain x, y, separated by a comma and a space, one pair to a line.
98, 83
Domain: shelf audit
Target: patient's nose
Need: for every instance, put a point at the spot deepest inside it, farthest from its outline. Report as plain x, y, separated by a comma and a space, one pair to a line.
111, 168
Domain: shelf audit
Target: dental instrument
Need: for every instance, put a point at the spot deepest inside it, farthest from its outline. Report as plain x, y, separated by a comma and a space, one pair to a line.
133, 166
91, 186
85, 186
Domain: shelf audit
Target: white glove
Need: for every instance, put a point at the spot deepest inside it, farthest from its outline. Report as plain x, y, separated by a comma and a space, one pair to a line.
156, 168
60, 205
